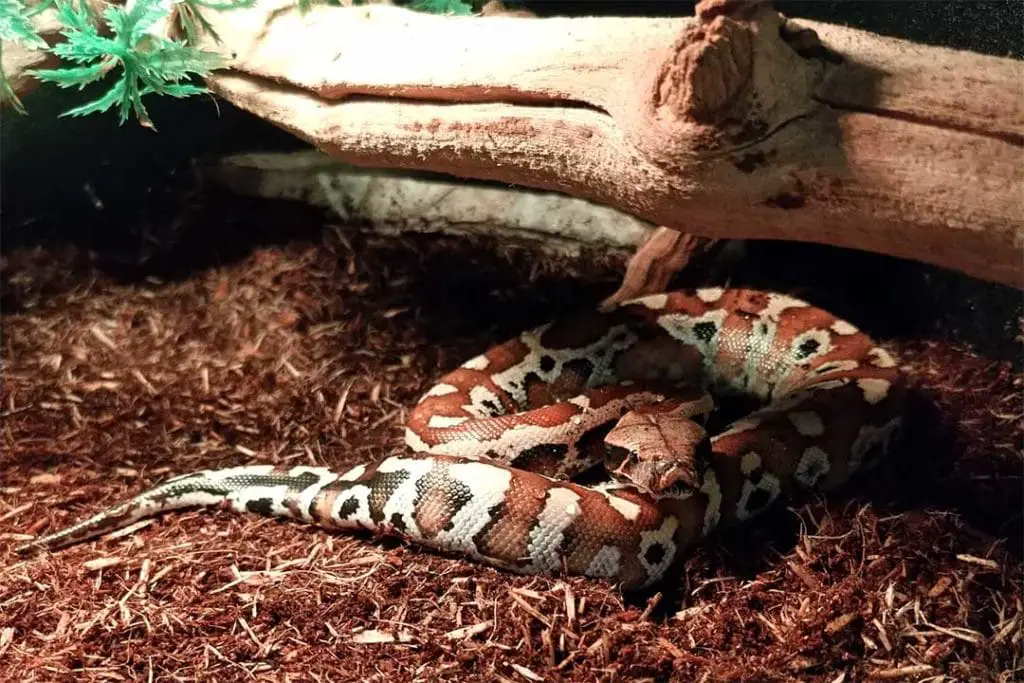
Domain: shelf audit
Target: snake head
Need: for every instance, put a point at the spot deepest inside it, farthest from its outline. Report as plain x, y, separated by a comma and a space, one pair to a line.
657, 451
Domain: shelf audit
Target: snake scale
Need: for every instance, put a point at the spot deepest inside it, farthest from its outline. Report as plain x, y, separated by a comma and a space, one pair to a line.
494, 446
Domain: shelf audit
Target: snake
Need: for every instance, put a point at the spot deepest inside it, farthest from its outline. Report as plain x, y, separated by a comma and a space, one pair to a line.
588, 446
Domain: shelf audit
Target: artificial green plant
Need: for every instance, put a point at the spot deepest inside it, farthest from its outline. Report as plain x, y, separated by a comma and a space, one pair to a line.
140, 61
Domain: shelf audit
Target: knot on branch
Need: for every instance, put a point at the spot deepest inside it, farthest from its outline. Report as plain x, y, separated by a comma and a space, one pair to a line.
712, 64
730, 80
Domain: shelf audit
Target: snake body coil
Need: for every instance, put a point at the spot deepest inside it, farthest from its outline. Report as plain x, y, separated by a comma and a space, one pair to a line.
494, 443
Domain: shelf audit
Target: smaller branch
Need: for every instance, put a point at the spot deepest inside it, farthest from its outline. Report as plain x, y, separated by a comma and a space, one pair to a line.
663, 254
392, 202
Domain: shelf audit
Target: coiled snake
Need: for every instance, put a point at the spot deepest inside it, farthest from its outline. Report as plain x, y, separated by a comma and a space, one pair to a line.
495, 442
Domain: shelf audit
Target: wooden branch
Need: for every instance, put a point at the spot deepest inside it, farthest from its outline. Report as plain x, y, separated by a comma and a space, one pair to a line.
391, 203
736, 123
733, 124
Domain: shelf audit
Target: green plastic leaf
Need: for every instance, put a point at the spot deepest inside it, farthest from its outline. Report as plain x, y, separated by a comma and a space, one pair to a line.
458, 7
229, 5
75, 20
7, 94
16, 25
176, 60
191, 20
136, 23
82, 47
144, 63
183, 90
102, 104
40, 7
82, 43
80, 76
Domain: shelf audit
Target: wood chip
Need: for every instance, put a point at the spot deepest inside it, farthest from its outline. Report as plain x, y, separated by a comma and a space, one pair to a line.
526, 673
839, 623
10, 514
570, 608
143, 381
339, 408
690, 612
960, 633
102, 563
375, 636
805, 575
940, 587
651, 604
530, 609
469, 631
102, 338
980, 561
6, 638
670, 648
1005, 630
904, 671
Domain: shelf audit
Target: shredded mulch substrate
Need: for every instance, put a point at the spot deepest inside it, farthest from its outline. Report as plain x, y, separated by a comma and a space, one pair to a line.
248, 332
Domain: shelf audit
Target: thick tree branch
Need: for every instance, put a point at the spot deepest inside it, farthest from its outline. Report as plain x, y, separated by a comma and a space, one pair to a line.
737, 123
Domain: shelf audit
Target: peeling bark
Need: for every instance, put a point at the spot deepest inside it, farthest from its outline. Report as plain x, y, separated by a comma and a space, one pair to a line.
737, 123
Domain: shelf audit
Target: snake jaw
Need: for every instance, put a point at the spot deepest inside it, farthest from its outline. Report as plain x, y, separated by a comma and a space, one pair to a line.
651, 477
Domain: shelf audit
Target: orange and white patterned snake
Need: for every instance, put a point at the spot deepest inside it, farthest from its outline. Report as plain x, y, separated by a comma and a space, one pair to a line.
496, 441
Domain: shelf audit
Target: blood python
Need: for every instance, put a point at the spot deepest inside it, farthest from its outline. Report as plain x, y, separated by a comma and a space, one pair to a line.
495, 443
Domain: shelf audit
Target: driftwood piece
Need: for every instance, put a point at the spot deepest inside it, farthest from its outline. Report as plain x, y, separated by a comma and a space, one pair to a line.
736, 123
395, 202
